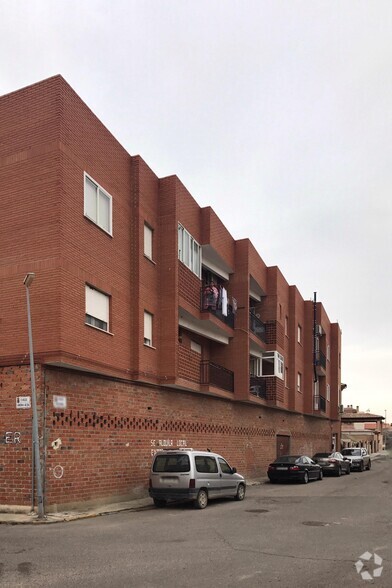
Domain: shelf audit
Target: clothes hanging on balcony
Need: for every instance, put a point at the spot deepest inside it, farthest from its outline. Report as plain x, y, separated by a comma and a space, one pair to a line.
210, 297
234, 305
224, 301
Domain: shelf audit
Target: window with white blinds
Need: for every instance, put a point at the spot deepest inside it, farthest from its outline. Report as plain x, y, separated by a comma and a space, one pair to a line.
97, 308
147, 241
147, 328
97, 204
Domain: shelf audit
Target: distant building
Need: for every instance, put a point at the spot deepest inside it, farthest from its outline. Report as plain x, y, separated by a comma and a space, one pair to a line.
362, 429
152, 326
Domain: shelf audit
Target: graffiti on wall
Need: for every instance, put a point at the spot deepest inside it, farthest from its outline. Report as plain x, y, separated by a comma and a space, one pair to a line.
159, 444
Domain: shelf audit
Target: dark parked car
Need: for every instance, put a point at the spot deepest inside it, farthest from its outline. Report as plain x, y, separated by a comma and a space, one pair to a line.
359, 458
300, 468
333, 463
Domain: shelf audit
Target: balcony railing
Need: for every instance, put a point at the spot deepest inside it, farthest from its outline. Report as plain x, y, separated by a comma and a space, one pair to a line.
319, 403
210, 302
258, 386
216, 375
257, 327
320, 359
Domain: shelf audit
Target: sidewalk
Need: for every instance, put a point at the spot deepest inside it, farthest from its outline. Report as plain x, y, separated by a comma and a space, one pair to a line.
23, 515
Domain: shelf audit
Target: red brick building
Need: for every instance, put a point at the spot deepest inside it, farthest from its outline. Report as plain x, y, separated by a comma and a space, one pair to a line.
152, 326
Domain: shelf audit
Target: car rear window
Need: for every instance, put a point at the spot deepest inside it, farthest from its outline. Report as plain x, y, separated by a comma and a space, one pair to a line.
287, 458
351, 452
171, 463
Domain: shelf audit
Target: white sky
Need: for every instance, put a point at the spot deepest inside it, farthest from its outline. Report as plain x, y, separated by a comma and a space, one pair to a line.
275, 113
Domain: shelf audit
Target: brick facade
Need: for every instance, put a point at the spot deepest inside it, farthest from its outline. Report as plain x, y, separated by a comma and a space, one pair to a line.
49, 140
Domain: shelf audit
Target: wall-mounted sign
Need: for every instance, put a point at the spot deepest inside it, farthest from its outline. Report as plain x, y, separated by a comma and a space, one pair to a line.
23, 402
60, 401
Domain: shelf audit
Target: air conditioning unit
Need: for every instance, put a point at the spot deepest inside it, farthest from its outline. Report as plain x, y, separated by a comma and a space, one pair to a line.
319, 331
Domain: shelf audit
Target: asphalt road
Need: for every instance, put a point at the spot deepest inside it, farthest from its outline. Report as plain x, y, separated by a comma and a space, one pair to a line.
280, 535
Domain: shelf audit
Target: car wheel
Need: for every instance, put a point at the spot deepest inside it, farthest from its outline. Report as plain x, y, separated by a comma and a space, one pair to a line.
202, 499
159, 502
348, 471
362, 467
320, 475
272, 481
306, 478
369, 465
339, 472
240, 492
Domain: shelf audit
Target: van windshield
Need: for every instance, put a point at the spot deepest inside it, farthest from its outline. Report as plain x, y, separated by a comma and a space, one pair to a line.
171, 463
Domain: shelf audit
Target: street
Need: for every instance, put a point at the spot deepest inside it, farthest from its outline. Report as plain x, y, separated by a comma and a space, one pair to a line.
280, 535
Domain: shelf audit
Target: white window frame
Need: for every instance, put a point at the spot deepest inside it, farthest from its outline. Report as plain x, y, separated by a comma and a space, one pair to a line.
278, 363
299, 382
103, 192
255, 366
148, 241
97, 308
299, 333
189, 251
148, 328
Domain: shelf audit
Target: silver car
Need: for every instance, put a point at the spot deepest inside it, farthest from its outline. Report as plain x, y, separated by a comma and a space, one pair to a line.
186, 474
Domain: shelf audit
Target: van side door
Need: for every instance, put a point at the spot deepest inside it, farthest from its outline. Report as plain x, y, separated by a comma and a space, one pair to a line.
228, 481
207, 475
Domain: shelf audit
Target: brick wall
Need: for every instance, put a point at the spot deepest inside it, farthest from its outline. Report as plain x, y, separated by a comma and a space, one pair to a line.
110, 429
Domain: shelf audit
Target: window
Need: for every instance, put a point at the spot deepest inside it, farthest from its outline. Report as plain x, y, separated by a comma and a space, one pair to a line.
226, 469
299, 334
147, 328
196, 347
328, 392
97, 204
255, 366
328, 352
286, 325
273, 364
206, 465
97, 309
189, 251
299, 382
147, 241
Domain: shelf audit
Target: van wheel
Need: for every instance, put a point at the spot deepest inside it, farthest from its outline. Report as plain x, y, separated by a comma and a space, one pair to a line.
159, 503
202, 499
240, 492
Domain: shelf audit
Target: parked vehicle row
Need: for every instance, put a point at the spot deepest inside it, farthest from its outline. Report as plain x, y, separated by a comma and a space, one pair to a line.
185, 474
302, 468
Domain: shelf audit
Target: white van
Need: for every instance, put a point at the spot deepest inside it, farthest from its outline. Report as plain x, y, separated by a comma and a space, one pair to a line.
186, 474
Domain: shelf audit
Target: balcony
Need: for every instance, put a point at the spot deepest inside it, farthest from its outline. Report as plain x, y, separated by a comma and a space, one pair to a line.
319, 403
258, 387
320, 363
212, 374
210, 302
257, 327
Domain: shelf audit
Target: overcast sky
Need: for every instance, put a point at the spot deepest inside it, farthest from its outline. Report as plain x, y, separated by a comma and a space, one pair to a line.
275, 113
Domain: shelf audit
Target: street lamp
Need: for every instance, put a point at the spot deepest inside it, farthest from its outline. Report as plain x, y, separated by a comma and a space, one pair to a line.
37, 461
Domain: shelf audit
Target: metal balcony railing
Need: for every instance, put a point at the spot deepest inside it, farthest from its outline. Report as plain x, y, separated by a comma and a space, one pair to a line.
258, 386
257, 327
216, 375
319, 403
320, 359
209, 302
